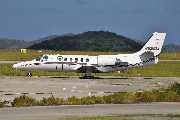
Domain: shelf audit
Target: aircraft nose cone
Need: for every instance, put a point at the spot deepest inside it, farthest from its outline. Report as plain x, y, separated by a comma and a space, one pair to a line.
15, 66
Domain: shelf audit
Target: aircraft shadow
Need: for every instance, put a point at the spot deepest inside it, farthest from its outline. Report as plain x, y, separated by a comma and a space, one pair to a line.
103, 78
91, 77
59, 77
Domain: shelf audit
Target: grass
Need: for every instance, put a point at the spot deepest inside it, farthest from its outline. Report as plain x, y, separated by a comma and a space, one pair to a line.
173, 115
170, 56
94, 118
32, 54
162, 69
124, 117
149, 115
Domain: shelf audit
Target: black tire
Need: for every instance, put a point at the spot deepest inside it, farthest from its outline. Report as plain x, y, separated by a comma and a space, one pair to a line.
29, 74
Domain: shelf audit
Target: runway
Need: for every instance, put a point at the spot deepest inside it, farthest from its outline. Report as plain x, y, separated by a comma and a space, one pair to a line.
64, 87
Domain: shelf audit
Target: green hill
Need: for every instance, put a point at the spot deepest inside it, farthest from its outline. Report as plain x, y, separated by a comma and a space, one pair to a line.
6, 43
90, 41
171, 48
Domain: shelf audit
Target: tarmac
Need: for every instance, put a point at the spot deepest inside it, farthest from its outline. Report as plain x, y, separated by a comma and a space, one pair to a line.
64, 87
128, 111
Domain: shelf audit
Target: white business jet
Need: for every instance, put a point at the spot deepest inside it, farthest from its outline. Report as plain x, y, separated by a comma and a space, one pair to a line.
148, 55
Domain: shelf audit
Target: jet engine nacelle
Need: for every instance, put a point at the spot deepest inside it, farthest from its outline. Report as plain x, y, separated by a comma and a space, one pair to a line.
109, 61
104, 61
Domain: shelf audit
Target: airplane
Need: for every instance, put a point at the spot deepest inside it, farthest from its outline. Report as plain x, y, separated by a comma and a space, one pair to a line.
148, 55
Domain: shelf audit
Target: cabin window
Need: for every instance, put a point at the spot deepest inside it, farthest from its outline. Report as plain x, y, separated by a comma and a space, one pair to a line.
65, 59
87, 60
157, 38
81, 59
76, 59
71, 59
59, 58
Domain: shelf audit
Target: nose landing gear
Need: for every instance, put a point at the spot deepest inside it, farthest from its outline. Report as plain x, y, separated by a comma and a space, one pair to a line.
29, 74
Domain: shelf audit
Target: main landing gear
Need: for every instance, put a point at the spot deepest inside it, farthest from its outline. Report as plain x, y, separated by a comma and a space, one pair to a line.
88, 73
87, 77
29, 74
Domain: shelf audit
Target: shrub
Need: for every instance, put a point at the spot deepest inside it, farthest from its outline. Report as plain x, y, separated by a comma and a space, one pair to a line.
52, 101
24, 101
175, 87
172, 97
128, 98
120, 98
1, 104
97, 100
145, 96
160, 95
73, 101
87, 101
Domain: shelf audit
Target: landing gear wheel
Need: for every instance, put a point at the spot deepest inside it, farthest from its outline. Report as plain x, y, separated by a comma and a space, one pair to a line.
87, 77
29, 74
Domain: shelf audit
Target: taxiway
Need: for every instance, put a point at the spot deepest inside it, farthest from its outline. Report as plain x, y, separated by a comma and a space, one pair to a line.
76, 111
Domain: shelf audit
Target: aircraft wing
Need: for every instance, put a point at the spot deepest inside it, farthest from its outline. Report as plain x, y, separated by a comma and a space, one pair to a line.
83, 69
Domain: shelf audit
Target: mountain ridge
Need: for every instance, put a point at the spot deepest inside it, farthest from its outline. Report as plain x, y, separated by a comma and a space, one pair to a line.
90, 41
20, 44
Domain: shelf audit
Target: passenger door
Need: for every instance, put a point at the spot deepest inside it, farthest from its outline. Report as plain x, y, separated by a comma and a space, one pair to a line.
59, 66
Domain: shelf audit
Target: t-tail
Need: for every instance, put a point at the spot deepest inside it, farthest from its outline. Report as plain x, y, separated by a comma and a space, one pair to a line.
150, 52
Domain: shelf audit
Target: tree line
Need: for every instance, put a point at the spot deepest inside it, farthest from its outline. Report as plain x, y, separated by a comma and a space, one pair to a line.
90, 41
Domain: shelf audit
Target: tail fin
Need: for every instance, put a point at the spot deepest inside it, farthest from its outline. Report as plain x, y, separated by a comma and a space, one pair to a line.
149, 54
154, 44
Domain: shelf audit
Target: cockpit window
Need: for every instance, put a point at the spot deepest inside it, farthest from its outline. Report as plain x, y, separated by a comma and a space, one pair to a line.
39, 58
45, 57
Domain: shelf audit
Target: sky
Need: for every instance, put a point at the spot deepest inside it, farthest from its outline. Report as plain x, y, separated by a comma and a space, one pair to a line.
139, 19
